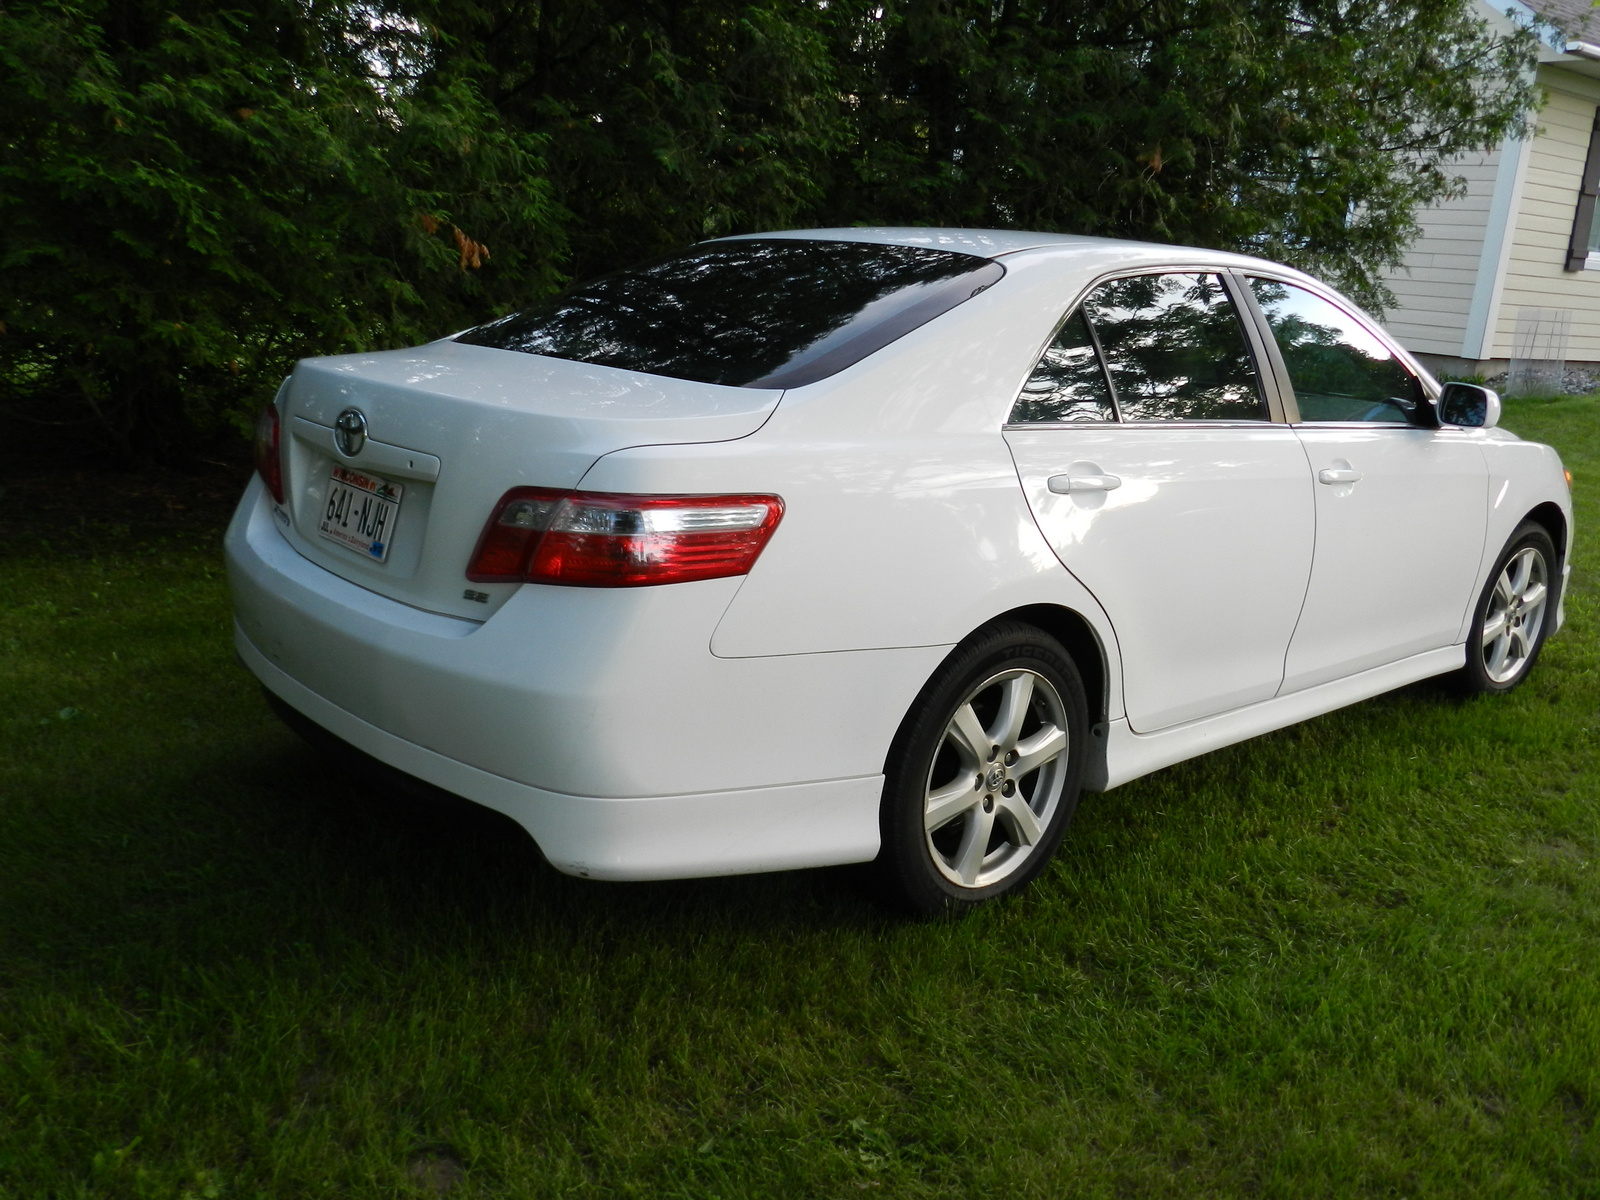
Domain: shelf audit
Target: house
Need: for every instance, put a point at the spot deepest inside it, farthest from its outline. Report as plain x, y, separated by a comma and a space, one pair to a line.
1507, 276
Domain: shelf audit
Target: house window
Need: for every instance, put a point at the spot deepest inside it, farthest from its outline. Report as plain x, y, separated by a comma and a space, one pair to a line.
1583, 253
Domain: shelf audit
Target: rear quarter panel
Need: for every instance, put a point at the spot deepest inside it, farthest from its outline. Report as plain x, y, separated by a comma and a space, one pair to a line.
905, 523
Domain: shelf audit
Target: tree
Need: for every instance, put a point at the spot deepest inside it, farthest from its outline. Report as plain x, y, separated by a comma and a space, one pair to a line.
663, 122
191, 199
1305, 130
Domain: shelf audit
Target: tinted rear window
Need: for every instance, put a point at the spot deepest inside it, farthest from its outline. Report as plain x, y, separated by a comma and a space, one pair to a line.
760, 313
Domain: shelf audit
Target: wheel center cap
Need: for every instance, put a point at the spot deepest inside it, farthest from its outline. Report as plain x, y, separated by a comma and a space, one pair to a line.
997, 776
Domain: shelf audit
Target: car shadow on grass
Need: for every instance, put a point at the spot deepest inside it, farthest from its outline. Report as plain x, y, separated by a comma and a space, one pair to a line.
460, 839
270, 845
416, 861
443, 862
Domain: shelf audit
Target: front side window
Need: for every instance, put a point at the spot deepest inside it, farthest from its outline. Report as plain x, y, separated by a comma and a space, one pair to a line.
1149, 348
767, 313
1338, 368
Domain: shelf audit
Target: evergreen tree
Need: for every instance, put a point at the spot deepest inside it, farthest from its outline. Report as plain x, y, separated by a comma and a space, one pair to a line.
1308, 131
192, 198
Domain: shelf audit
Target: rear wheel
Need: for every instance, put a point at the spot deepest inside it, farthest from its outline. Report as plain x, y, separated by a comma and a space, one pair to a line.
1514, 613
984, 773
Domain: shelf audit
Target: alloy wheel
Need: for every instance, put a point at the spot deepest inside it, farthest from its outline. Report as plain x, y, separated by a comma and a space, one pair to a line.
996, 778
1515, 615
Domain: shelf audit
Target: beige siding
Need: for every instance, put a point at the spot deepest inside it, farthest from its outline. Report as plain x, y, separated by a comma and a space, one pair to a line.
1433, 290
1536, 276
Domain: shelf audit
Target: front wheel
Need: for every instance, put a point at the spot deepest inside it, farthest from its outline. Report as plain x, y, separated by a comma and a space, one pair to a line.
1514, 613
984, 773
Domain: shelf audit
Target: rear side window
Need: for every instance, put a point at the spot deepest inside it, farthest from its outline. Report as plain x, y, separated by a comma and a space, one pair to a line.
768, 313
1338, 368
1164, 347
1069, 384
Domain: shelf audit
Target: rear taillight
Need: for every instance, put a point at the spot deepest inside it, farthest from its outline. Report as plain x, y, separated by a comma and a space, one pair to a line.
601, 539
269, 451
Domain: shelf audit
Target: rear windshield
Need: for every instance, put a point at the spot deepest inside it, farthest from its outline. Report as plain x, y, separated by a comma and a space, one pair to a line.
773, 313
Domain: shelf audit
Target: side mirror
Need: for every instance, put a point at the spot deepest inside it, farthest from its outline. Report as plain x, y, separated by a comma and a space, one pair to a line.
1469, 405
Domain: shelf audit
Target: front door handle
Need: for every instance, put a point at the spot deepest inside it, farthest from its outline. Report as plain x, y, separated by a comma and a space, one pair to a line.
1067, 484
1338, 475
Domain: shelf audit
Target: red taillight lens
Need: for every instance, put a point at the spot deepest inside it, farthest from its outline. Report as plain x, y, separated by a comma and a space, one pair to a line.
506, 547
598, 539
269, 451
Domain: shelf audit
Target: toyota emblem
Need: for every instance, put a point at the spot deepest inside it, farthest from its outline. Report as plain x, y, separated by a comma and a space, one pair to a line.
350, 432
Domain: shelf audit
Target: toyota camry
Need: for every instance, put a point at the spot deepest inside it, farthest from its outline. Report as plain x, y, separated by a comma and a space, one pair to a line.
878, 546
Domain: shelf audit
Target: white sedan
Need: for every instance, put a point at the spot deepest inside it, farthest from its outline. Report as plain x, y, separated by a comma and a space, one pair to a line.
878, 545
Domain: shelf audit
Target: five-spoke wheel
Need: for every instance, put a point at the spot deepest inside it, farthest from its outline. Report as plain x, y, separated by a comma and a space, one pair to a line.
997, 777
1515, 617
984, 773
1513, 614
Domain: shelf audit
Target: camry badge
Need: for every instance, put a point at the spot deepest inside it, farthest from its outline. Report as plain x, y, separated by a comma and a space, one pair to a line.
350, 432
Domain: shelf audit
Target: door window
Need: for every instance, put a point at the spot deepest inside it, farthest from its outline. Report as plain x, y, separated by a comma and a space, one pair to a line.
1175, 349
1069, 384
1339, 368
1149, 348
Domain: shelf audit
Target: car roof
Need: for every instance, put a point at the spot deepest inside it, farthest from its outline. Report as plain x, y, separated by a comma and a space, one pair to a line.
993, 243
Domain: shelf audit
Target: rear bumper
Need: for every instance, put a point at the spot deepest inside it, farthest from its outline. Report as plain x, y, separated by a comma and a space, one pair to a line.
643, 837
596, 718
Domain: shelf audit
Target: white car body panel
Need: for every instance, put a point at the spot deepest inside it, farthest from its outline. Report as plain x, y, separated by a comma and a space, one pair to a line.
458, 425
851, 568
1129, 755
1522, 476
1397, 550
732, 832
897, 464
987, 243
574, 690
1203, 615
742, 724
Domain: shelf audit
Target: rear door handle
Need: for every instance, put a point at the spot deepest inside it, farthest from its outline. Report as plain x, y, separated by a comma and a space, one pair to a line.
1066, 484
1338, 475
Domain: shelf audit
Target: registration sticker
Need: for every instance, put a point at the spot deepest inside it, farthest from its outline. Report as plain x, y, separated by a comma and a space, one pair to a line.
361, 511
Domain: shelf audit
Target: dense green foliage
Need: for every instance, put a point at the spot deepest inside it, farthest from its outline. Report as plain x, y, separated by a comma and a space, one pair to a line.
192, 197
1306, 130
1352, 958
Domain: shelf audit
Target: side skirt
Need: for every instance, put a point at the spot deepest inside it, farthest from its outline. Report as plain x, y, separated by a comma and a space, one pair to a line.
1128, 755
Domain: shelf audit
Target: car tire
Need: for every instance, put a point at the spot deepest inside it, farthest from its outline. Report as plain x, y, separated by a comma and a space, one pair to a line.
962, 823
1514, 614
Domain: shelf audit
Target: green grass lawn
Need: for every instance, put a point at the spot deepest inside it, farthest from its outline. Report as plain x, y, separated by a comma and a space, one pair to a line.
1357, 957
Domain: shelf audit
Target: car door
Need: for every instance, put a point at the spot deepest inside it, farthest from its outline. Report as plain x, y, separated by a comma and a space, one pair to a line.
1401, 505
1157, 472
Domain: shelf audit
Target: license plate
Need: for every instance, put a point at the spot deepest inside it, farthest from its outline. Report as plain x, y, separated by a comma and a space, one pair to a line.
361, 511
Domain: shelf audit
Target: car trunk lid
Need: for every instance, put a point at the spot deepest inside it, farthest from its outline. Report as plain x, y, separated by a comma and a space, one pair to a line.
443, 431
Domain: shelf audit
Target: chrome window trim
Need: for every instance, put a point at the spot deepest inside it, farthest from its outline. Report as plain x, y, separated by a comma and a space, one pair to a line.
1262, 424
1396, 425
1430, 385
1267, 383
